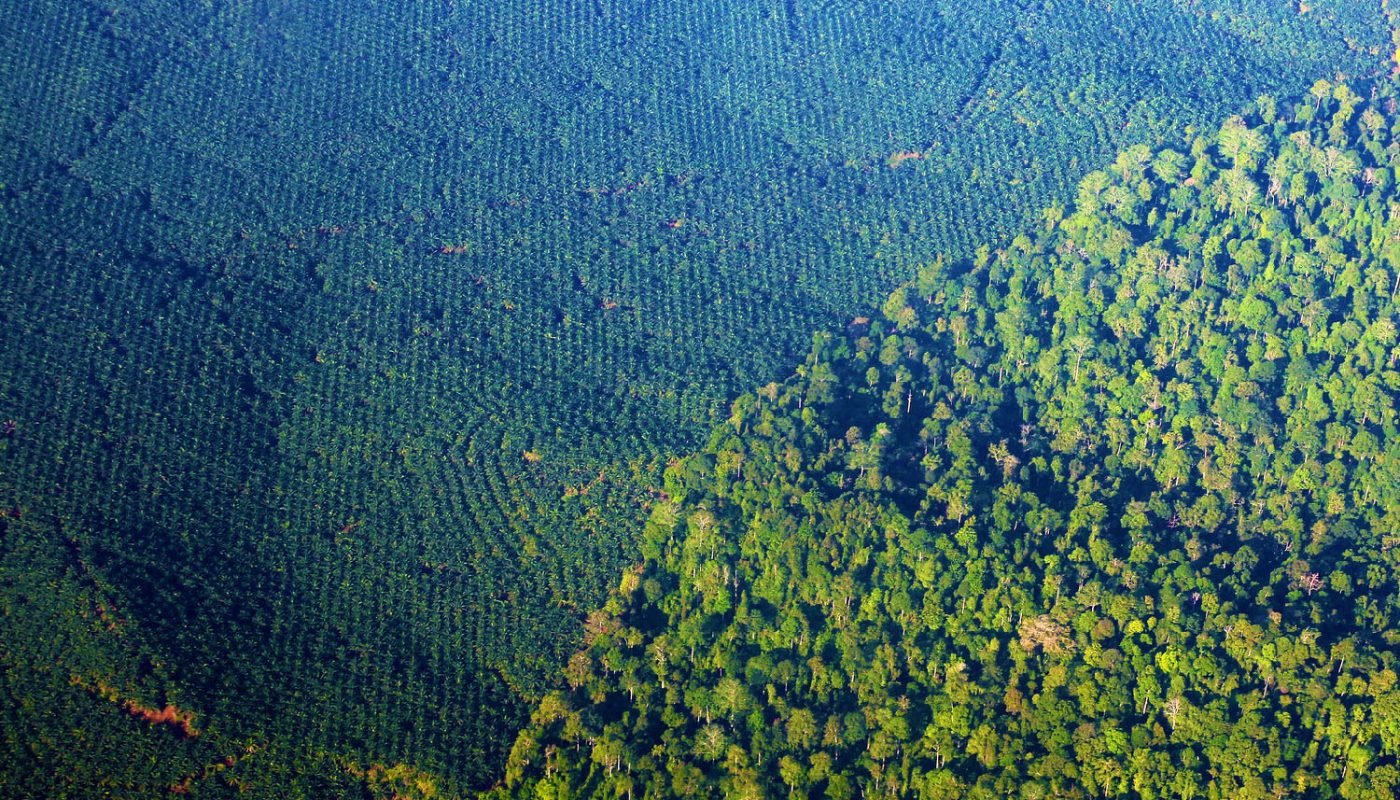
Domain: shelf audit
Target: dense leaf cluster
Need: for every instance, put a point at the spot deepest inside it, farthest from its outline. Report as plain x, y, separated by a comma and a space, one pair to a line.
1110, 511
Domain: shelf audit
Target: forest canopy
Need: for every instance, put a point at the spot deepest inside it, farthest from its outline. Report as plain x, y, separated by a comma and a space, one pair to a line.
1110, 511
345, 344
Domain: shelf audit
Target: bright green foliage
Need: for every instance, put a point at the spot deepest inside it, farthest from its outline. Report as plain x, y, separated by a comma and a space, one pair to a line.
1116, 517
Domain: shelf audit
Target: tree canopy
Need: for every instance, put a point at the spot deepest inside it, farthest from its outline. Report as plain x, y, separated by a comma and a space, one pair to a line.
1110, 511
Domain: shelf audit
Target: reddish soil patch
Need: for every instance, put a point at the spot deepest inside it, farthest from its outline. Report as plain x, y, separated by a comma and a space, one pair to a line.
182, 721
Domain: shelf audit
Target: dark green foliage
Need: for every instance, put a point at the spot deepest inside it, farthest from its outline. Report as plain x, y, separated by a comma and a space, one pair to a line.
1110, 511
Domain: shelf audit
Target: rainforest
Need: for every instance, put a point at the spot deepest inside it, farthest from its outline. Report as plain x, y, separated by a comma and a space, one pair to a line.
712, 399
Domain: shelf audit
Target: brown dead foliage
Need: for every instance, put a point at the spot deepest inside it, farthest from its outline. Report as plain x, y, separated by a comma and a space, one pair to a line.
1045, 633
